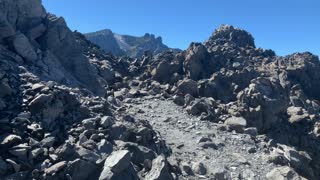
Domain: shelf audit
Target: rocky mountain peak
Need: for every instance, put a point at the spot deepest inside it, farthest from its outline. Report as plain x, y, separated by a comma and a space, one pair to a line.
69, 110
126, 45
228, 33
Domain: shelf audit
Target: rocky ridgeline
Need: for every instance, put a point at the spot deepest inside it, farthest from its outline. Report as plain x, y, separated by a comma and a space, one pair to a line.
66, 106
125, 45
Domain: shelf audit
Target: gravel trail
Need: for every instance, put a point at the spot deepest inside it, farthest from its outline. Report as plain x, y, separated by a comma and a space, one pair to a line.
228, 154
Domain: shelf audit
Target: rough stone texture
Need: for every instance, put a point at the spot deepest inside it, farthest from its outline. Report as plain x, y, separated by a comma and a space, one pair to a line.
118, 161
52, 123
24, 48
82, 170
159, 170
236, 123
284, 173
188, 87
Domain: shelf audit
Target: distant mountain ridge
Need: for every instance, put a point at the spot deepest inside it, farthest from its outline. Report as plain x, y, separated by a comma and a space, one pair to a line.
127, 45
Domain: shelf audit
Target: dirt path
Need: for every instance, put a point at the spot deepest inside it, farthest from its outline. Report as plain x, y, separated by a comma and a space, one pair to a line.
235, 156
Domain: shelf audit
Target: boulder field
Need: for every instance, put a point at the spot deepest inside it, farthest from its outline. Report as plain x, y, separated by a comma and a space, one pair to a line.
222, 109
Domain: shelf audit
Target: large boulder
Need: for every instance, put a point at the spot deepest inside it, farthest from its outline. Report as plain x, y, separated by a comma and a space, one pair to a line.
236, 123
118, 166
194, 63
264, 98
163, 72
188, 86
60, 40
159, 170
23, 47
118, 161
82, 170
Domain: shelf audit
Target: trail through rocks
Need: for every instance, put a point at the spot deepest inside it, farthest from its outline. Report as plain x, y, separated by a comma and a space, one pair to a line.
203, 149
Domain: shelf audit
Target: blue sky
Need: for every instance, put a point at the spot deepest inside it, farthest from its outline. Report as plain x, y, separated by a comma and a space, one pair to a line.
285, 26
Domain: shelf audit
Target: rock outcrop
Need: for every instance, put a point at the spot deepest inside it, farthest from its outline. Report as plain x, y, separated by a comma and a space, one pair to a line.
46, 44
69, 110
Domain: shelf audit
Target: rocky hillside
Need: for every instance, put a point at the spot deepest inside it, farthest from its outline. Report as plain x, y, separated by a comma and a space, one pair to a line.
125, 45
222, 109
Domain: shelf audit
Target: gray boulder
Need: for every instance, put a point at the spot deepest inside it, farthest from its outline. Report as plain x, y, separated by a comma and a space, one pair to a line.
188, 86
127, 174
3, 167
163, 72
160, 170
118, 161
236, 123
55, 168
284, 173
23, 47
194, 62
82, 170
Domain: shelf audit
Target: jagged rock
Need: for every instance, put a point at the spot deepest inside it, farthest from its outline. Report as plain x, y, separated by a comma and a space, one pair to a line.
236, 123
220, 174
179, 100
107, 73
39, 102
53, 75
5, 89
20, 150
159, 170
247, 174
89, 123
163, 72
82, 170
36, 152
129, 174
24, 48
298, 160
66, 151
9, 140
194, 63
251, 131
199, 106
55, 168
284, 173
199, 168
48, 141
3, 167
270, 96
138, 153
188, 86
118, 161
296, 114
186, 169
87, 154
15, 166
104, 147
118, 166
36, 31
106, 121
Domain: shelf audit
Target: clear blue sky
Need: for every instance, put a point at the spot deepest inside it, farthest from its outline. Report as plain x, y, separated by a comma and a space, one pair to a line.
285, 26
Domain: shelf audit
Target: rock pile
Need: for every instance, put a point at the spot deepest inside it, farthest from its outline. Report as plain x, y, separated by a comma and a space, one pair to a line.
53, 126
228, 80
64, 105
